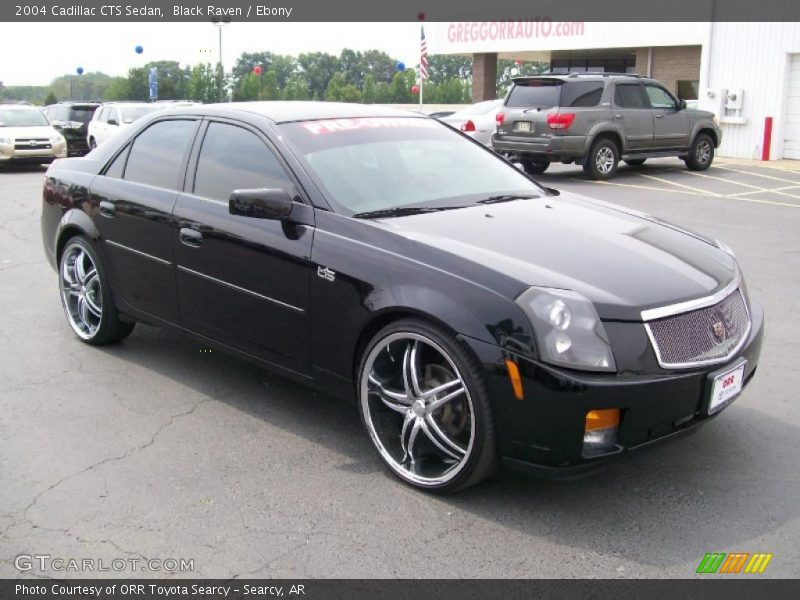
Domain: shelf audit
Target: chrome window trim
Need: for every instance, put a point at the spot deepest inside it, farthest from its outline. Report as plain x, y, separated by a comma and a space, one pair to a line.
653, 314
139, 252
241, 289
713, 361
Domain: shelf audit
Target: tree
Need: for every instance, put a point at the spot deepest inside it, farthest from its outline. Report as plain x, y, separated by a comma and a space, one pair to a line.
50, 98
202, 84
247, 89
400, 89
296, 88
369, 92
269, 87
506, 72
318, 68
118, 89
335, 84
379, 64
442, 67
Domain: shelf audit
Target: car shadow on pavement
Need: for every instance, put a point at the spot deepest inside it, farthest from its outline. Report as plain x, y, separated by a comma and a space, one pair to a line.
723, 488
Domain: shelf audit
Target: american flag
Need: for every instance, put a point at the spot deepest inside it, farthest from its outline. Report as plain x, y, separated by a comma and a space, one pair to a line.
423, 55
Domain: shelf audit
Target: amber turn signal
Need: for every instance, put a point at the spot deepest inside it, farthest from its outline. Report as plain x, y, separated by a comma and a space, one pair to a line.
516, 380
602, 419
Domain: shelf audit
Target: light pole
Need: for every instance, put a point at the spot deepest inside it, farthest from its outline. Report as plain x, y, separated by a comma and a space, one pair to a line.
219, 24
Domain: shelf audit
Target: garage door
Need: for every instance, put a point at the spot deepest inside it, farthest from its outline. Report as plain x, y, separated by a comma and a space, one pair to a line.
791, 144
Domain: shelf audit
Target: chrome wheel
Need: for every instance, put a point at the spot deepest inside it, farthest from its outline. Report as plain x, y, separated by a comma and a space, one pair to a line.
81, 292
703, 152
604, 160
417, 409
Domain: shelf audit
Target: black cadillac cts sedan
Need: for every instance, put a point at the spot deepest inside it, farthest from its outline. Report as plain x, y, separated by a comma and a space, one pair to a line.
475, 316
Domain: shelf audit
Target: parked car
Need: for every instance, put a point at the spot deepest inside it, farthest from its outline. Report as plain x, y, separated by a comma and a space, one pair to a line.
439, 114
477, 120
381, 256
598, 119
71, 119
112, 117
26, 136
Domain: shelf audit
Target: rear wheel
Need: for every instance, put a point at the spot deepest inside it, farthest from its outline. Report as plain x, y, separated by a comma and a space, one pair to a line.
86, 295
425, 407
636, 162
602, 161
535, 167
701, 153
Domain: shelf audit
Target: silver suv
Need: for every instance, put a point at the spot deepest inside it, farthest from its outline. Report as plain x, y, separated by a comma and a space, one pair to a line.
596, 119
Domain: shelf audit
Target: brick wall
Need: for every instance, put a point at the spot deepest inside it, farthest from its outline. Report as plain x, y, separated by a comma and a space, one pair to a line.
484, 77
670, 63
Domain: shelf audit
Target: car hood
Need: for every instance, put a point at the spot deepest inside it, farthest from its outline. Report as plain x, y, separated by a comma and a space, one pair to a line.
699, 114
43, 131
623, 261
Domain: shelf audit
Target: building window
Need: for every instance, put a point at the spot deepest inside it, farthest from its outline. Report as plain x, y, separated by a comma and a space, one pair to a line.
688, 89
593, 65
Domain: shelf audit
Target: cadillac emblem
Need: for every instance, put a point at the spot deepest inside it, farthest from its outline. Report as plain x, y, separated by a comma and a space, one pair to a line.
719, 330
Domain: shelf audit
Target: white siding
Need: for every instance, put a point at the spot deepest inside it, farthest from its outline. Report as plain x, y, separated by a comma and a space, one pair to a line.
754, 57
791, 126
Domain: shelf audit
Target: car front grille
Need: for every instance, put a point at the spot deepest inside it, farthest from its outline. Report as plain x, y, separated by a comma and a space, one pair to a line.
31, 144
703, 336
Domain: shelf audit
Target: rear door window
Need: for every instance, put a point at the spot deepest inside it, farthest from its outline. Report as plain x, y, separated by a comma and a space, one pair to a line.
630, 95
581, 93
157, 153
538, 94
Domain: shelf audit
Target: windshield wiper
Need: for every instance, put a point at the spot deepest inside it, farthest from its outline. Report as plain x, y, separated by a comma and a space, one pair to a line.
505, 198
401, 211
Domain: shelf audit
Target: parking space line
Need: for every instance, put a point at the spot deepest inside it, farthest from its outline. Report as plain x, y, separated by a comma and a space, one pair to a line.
681, 185
757, 189
776, 190
795, 181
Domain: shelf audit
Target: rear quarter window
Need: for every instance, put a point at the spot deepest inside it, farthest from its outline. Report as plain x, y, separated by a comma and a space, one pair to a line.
581, 93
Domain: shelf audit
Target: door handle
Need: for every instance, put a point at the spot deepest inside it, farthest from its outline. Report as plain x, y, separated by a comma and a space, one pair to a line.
190, 237
617, 116
660, 116
107, 209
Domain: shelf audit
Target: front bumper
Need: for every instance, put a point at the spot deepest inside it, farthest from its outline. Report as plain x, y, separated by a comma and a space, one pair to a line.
544, 431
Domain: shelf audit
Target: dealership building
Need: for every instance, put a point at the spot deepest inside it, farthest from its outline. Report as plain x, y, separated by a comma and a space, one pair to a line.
748, 74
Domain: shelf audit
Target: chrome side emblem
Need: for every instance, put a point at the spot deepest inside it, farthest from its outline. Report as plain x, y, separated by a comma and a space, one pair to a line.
326, 273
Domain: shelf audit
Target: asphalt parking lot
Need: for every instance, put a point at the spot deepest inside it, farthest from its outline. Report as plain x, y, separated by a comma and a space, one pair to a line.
154, 448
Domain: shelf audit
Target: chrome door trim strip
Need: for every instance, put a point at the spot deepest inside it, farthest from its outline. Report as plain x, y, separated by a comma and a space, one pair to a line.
139, 252
241, 289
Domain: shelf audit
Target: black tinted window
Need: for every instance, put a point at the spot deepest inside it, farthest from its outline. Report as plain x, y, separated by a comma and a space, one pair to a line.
155, 158
117, 166
233, 158
630, 95
539, 94
581, 93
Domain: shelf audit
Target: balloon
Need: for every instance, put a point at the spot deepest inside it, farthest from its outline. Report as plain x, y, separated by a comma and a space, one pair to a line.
415, 89
518, 62
257, 70
421, 16
400, 66
514, 72
139, 49
79, 70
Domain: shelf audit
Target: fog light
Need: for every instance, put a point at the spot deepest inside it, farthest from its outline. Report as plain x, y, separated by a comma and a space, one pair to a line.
600, 431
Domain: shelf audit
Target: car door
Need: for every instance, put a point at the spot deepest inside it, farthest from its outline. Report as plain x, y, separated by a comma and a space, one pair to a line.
243, 281
633, 116
133, 200
670, 123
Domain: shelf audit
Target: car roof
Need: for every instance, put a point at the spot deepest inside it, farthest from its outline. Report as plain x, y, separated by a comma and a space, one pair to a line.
19, 107
579, 77
288, 111
74, 103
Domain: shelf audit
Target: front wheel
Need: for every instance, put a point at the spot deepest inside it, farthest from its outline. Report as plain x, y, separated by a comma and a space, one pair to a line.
701, 153
424, 404
603, 159
535, 167
86, 295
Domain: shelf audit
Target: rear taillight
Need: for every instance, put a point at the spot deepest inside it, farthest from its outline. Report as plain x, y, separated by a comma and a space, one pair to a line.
500, 117
560, 120
468, 126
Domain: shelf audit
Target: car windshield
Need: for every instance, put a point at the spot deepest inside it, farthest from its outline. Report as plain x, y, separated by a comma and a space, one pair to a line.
535, 94
131, 113
385, 163
81, 113
22, 117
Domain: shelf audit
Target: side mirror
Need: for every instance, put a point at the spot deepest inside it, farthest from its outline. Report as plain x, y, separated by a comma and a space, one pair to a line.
681, 104
264, 203
112, 122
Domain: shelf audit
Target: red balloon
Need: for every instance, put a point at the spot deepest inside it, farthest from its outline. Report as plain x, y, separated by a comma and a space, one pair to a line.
415, 89
257, 70
421, 16
518, 62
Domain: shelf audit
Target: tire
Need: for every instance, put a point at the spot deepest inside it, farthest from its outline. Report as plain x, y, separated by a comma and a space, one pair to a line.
86, 295
440, 441
535, 167
603, 159
636, 162
701, 153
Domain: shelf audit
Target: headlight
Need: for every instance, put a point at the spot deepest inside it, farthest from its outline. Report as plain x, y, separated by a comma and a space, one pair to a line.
568, 331
6, 140
716, 120
57, 139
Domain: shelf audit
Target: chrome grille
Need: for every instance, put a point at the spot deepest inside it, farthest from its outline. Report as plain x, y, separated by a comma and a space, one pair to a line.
706, 335
31, 144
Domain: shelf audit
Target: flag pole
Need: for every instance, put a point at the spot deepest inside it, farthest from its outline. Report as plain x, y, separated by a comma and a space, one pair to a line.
421, 82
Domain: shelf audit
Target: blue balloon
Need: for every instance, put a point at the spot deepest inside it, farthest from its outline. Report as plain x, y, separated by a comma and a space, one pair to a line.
400, 66
79, 70
139, 49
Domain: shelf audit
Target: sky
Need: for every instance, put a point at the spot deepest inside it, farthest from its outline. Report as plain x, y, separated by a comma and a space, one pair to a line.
109, 47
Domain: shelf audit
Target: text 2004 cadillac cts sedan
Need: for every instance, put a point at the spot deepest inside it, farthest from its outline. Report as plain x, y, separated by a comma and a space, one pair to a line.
474, 315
